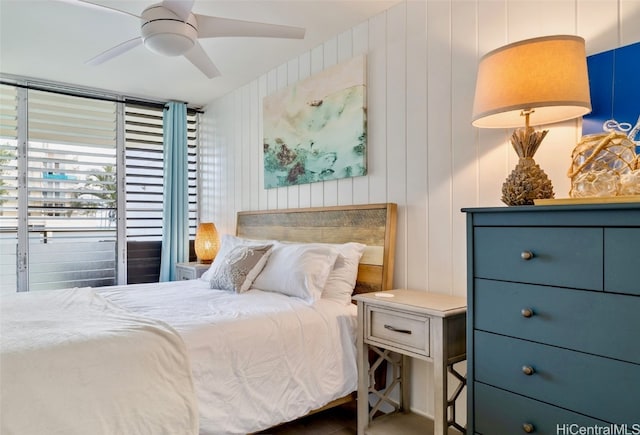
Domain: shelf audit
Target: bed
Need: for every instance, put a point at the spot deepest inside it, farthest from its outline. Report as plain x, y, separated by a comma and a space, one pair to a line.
183, 358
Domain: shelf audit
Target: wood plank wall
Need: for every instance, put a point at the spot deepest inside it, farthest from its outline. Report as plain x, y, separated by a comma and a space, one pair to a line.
423, 154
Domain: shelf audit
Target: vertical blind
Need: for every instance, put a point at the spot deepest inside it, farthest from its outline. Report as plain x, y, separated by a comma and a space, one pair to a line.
144, 175
143, 156
192, 143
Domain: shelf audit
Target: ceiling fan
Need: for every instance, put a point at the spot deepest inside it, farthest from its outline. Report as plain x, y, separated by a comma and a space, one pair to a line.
171, 29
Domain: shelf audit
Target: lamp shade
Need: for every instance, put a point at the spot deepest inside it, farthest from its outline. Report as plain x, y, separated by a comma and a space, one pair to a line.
207, 242
546, 75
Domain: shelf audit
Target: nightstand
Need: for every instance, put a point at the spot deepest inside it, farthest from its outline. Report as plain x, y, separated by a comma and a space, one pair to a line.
402, 324
191, 270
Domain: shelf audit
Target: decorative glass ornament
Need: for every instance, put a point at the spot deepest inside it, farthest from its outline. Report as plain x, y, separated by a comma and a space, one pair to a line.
630, 182
598, 163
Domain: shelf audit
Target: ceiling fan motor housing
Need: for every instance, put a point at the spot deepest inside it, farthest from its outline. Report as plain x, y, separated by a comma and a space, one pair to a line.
163, 32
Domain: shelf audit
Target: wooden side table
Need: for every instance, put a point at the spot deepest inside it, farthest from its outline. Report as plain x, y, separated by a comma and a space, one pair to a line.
191, 270
401, 324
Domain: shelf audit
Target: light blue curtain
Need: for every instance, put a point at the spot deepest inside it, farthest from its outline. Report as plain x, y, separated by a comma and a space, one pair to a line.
175, 216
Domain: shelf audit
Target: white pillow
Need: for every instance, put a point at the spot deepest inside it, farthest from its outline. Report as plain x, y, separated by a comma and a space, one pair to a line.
237, 264
342, 279
297, 269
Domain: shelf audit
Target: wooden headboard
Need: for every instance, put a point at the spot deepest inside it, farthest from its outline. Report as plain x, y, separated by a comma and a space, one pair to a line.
371, 224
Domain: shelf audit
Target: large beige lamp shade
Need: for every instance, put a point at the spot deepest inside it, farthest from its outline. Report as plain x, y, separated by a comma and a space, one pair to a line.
207, 242
531, 82
547, 75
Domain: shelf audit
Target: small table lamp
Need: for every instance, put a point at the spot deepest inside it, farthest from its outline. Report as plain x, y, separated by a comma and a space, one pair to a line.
543, 80
207, 242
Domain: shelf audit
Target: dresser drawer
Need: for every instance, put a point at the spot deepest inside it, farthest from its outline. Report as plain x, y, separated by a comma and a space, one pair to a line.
565, 257
602, 388
622, 260
588, 321
398, 329
498, 412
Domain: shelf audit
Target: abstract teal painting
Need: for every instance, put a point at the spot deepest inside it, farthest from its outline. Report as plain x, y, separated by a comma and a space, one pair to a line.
315, 130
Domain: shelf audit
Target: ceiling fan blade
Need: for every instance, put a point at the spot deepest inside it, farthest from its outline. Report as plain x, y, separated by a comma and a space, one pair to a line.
181, 8
200, 59
99, 7
212, 27
115, 51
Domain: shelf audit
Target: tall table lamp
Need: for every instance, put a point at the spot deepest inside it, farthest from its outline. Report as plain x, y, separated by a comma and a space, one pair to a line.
207, 242
531, 82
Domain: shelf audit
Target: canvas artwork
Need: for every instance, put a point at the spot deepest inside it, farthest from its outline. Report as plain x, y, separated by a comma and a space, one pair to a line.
606, 161
615, 92
315, 130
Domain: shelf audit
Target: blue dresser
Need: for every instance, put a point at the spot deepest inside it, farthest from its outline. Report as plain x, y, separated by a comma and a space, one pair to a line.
553, 319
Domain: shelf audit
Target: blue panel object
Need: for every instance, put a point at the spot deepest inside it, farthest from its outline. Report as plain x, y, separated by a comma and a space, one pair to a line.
615, 90
600, 68
626, 89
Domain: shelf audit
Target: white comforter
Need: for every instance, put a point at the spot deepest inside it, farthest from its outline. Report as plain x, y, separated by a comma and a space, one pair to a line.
259, 358
73, 363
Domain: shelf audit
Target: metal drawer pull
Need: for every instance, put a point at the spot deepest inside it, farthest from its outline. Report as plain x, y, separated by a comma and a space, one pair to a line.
528, 428
528, 370
526, 255
526, 312
403, 331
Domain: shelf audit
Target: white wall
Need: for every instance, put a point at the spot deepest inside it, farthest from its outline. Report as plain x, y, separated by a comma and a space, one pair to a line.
423, 152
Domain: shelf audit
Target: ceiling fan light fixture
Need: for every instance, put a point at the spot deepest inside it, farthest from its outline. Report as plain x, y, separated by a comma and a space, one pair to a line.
170, 28
164, 33
169, 44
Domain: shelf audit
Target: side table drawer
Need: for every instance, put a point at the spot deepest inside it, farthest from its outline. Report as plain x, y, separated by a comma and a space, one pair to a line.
398, 328
565, 257
193, 270
183, 274
499, 412
580, 382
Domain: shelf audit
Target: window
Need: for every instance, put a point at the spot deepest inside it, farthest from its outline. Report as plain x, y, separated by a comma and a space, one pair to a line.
144, 184
72, 153
72, 191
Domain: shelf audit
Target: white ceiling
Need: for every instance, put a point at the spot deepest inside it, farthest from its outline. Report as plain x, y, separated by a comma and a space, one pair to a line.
51, 40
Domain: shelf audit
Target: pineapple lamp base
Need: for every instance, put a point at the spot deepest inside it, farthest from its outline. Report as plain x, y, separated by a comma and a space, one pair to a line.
527, 181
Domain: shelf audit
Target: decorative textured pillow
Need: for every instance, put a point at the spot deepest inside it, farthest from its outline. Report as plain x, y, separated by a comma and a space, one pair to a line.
342, 279
236, 270
227, 243
297, 269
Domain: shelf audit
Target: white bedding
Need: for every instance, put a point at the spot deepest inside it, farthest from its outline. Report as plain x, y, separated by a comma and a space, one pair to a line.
258, 358
73, 363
